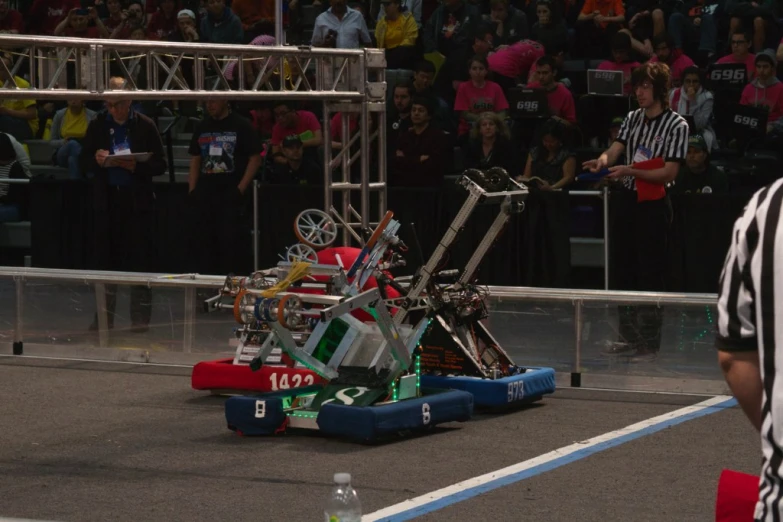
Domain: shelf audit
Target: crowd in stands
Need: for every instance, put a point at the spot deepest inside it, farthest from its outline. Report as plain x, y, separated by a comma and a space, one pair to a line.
463, 75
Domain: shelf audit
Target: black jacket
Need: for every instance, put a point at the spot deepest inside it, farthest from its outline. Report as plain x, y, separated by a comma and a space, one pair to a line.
143, 136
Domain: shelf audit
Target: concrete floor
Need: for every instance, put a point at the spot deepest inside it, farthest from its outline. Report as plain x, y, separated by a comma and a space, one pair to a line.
84, 441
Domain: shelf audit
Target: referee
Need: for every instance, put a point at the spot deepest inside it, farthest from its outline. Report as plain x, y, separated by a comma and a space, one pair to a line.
750, 333
640, 237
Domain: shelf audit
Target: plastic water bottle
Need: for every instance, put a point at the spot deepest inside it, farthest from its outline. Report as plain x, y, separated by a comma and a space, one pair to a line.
343, 504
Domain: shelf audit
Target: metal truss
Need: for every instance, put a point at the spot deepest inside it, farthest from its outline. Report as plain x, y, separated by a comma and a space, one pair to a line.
349, 81
79, 68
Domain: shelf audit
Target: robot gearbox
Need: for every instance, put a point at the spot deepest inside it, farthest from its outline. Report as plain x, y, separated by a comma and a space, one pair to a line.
338, 345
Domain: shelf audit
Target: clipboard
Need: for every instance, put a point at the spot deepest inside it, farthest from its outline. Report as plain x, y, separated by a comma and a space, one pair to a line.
112, 160
645, 191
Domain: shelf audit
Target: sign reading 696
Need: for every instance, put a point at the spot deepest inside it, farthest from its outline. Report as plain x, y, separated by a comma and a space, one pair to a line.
747, 121
527, 106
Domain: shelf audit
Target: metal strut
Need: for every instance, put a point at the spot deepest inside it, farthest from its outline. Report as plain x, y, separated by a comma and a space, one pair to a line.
351, 82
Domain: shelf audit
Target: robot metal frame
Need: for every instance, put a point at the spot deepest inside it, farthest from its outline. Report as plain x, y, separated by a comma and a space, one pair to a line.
304, 342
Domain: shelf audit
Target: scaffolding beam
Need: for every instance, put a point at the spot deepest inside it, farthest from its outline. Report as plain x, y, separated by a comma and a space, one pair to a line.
351, 82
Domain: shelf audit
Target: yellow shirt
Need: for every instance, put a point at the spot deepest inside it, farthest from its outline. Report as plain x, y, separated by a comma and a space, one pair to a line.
20, 105
394, 35
74, 125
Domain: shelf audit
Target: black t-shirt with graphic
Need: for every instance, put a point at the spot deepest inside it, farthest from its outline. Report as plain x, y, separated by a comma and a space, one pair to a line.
225, 147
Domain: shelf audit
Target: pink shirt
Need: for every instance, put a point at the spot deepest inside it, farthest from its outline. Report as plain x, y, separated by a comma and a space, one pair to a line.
770, 97
307, 122
515, 61
489, 98
561, 102
626, 67
750, 63
681, 63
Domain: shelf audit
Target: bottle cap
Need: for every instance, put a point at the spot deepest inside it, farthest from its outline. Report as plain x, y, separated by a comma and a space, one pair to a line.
342, 478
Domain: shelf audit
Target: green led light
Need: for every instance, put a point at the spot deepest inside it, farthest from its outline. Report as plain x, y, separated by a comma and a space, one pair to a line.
418, 375
395, 391
304, 414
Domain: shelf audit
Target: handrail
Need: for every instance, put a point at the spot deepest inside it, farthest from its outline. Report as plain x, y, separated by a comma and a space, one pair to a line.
497, 292
515, 293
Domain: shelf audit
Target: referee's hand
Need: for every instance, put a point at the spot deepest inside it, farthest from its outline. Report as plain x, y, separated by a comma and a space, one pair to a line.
595, 165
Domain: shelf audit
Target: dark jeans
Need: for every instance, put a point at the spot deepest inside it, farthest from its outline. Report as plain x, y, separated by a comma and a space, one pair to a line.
640, 255
219, 231
124, 227
681, 28
16, 127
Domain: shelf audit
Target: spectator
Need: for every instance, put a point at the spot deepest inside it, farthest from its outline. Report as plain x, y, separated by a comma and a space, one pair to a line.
666, 52
605, 140
124, 197
561, 101
290, 121
77, 25
765, 90
397, 32
456, 67
114, 18
70, 127
221, 25
448, 30
693, 100
490, 145
621, 60
478, 95
163, 22
422, 151
510, 66
133, 18
646, 20
297, 169
45, 15
550, 165
399, 115
253, 68
411, 6
253, 15
423, 76
740, 53
550, 29
225, 156
761, 16
597, 24
340, 27
17, 117
697, 176
11, 21
510, 23
696, 18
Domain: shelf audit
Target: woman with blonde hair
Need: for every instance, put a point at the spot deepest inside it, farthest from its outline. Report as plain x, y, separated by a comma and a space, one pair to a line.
490, 145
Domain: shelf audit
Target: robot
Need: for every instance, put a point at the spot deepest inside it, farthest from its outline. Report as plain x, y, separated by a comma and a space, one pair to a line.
340, 346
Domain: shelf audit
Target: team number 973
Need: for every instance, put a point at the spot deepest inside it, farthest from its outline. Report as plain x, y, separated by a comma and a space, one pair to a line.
746, 121
528, 106
729, 75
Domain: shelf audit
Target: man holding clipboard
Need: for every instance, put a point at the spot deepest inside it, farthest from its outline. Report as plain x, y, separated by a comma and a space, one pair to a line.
655, 140
123, 151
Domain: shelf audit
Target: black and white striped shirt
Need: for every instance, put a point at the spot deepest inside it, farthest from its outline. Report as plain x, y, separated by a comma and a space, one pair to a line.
665, 136
750, 318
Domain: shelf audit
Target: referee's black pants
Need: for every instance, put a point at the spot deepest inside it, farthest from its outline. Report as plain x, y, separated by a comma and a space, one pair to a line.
640, 240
